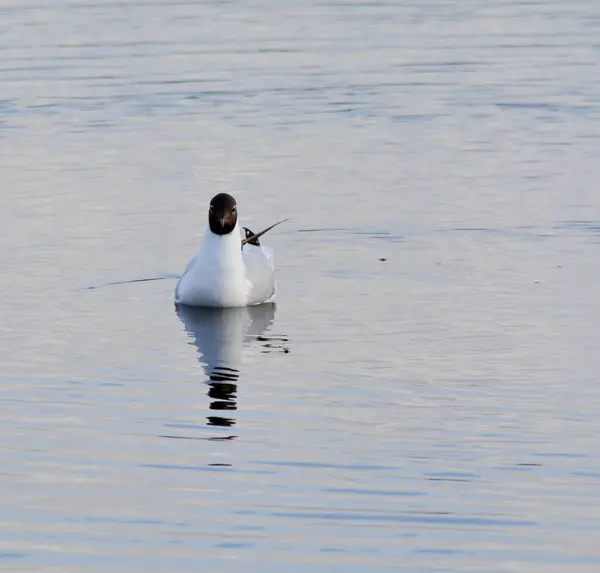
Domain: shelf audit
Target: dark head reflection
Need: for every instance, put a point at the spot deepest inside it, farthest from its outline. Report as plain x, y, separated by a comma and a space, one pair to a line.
219, 334
224, 397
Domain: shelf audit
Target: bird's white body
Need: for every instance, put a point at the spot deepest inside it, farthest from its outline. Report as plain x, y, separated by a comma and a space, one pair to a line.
223, 274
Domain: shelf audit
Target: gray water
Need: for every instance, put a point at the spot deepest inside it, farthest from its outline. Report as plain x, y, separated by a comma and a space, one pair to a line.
434, 411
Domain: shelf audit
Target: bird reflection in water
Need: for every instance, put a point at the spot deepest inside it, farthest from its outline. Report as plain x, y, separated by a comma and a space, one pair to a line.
219, 334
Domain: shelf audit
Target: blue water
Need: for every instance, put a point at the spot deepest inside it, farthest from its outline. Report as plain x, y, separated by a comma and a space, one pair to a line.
422, 398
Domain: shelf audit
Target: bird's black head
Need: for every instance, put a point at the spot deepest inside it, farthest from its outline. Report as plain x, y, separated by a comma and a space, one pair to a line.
222, 215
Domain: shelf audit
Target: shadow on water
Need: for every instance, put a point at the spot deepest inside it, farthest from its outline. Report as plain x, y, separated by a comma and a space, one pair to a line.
219, 335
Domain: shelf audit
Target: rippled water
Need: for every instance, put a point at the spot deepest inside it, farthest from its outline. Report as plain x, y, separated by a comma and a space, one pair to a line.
424, 397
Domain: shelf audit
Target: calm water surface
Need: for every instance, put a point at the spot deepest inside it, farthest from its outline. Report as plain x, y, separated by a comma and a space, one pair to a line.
434, 411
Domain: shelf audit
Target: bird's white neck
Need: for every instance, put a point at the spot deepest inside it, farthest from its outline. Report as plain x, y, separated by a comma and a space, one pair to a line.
224, 249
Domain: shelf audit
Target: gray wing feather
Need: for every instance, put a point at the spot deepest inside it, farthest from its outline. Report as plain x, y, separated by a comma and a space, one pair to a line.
258, 262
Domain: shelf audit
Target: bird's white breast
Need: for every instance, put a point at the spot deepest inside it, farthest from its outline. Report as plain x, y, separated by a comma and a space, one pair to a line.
216, 276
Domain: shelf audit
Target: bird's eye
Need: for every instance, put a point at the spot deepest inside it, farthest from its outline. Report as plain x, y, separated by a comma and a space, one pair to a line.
234, 209
212, 209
